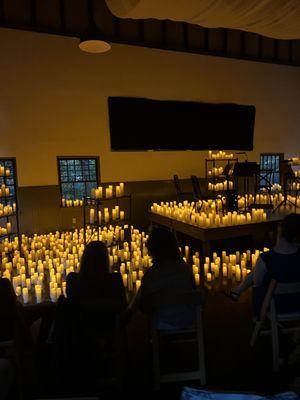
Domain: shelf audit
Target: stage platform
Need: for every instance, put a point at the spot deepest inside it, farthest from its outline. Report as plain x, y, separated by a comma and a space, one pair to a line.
207, 235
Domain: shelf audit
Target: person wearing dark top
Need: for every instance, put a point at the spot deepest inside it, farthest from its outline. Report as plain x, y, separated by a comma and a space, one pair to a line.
87, 321
168, 275
282, 263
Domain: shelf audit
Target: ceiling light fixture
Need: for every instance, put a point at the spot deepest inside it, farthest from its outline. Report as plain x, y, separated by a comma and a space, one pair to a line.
93, 39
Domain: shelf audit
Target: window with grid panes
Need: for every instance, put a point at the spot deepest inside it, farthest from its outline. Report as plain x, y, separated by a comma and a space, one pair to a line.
77, 176
271, 162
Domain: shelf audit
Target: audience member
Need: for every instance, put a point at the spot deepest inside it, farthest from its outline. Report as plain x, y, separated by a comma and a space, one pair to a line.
168, 275
282, 263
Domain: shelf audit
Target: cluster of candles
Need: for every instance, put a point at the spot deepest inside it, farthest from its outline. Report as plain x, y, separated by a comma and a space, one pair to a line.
249, 199
4, 191
216, 171
5, 230
295, 160
40, 273
71, 203
219, 186
220, 154
211, 218
46, 260
6, 210
113, 215
276, 187
226, 266
295, 186
4, 171
100, 192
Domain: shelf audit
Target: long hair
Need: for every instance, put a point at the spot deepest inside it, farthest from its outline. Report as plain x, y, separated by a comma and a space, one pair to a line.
162, 245
94, 264
290, 227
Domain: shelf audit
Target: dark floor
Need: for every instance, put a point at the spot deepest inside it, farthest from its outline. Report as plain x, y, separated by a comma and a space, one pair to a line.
231, 364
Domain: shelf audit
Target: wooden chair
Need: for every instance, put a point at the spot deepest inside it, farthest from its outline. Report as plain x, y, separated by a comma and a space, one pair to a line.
190, 334
181, 195
269, 313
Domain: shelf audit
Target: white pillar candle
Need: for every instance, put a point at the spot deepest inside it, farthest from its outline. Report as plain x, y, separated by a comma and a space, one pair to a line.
92, 215
137, 284
25, 295
197, 279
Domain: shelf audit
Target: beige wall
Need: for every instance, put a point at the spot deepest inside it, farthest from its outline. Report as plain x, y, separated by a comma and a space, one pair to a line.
53, 101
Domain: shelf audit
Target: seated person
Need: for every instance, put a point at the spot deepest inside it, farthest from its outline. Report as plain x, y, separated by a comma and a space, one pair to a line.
87, 320
282, 263
168, 275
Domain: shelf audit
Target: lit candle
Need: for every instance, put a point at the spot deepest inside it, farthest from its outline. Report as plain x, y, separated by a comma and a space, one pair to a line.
92, 215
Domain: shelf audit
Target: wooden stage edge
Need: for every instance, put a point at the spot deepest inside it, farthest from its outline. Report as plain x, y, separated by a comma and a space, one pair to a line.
207, 235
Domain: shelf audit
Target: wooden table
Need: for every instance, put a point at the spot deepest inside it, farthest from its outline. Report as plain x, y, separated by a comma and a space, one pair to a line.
207, 235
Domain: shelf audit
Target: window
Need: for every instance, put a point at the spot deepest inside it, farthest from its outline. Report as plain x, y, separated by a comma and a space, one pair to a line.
8, 181
270, 166
77, 176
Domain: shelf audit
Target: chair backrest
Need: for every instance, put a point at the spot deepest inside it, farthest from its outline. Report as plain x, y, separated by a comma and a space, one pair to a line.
277, 289
177, 184
287, 288
192, 298
196, 186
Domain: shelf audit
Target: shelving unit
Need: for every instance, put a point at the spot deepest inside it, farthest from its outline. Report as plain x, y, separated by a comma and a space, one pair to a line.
210, 165
98, 205
10, 181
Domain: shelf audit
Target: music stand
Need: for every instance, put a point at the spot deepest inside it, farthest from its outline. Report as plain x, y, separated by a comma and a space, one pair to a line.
245, 170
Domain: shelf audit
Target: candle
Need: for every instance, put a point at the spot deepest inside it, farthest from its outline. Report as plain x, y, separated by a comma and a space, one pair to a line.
25, 295
197, 279
92, 216
124, 277
8, 227
209, 277
137, 284
122, 215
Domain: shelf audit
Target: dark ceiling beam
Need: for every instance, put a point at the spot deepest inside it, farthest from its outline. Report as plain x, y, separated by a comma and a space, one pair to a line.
209, 42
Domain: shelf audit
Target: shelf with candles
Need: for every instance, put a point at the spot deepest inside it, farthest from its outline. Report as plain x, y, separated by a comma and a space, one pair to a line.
98, 215
9, 198
69, 203
217, 176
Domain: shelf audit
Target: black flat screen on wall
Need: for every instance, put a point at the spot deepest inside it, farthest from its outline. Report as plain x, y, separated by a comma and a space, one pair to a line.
138, 124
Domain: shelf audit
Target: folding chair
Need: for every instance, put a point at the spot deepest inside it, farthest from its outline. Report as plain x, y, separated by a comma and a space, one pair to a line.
181, 195
189, 334
268, 312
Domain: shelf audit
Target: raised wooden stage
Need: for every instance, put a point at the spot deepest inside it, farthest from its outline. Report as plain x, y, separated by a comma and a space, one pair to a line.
207, 235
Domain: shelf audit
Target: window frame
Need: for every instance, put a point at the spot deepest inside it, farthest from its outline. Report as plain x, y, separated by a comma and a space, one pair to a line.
59, 158
281, 158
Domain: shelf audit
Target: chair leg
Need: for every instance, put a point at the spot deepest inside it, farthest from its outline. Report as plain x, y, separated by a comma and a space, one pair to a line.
255, 333
275, 339
155, 354
201, 354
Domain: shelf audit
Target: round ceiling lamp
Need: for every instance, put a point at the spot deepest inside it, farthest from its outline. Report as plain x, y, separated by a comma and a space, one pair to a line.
93, 39
93, 43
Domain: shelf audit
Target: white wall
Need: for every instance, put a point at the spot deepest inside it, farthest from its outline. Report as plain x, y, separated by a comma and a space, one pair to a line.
53, 101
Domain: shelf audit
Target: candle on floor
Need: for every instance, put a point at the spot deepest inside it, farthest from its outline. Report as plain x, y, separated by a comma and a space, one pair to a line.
25, 295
